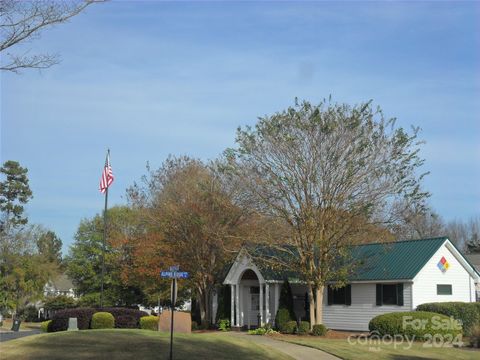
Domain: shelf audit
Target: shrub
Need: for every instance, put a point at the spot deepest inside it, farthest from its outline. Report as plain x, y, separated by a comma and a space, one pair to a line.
282, 318
475, 336
194, 326
103, 320
60, 318
126, 318
467, 313
286, 299
44, 325
262, 331
393, 324
224, 325
126, 322
303, 328
319, 330
290, 327
258, 331
149, 322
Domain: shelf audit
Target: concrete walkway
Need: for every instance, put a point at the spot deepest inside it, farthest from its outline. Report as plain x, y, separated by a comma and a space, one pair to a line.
298, 352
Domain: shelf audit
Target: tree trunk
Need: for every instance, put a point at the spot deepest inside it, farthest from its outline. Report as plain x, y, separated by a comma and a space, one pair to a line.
201, 305
311, 299
207, 307
319, 304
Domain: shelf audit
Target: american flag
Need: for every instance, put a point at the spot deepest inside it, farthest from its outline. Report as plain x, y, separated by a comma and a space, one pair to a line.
107, 175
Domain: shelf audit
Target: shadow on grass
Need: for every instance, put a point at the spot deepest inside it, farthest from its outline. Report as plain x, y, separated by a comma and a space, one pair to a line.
138, 345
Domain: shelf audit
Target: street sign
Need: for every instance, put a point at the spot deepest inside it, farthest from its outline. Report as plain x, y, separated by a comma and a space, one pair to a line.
173, 274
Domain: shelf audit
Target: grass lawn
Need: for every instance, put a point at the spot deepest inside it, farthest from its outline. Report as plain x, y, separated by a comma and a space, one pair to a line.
133, 344
343, 349
7, 325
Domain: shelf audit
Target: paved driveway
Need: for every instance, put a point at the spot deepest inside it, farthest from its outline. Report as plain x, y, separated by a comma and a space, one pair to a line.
298, 352
11, 335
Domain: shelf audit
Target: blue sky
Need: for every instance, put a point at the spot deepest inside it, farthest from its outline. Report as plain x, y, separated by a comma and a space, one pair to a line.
148, 79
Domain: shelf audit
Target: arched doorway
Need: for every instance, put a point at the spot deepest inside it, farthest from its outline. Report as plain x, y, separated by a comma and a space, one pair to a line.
250, 299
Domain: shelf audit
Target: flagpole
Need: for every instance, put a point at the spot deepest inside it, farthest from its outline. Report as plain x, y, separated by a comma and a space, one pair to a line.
104, 235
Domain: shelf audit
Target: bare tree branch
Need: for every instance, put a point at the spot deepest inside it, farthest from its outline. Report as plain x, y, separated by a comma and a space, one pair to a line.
23, 21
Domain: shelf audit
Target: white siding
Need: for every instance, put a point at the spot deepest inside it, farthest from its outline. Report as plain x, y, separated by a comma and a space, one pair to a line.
425, 283
363, 308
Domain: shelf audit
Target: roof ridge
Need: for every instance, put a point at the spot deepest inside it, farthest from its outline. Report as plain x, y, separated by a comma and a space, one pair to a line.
402, 241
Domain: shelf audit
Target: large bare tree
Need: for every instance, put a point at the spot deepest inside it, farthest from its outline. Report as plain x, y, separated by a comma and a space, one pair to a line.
332, 173
23, 21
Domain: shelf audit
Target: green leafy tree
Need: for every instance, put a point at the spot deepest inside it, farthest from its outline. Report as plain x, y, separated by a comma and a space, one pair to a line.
50, 247
332, 173
14, 193
23, 272
83, 262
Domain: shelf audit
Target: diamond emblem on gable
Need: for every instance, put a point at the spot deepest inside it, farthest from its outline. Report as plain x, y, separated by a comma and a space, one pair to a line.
443, 264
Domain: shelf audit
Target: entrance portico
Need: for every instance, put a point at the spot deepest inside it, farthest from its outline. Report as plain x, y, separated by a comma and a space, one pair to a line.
254, 300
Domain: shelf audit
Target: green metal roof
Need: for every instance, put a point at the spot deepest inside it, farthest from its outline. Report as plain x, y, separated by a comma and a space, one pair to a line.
393, 261
400, 260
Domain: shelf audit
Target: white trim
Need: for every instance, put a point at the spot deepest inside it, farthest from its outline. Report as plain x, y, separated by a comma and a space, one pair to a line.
471, 270
260, 308
267, 304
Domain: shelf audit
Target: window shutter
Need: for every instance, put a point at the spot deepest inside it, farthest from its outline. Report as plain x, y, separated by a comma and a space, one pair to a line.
400, 294
379, 295
329, 295
348, 295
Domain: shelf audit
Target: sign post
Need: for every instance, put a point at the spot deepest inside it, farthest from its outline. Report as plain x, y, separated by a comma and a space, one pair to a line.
173, 274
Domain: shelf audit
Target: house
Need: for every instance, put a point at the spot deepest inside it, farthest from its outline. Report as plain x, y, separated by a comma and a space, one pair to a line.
475, 261
60, 285
392, 277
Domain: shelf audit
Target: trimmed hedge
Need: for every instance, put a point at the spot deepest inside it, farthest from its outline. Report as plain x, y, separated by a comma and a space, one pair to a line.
467, 313
290, 327
303, 328
418, 324
60, 318
124, 318
149, 322
44, 325
103, 320
319, 330
282, 318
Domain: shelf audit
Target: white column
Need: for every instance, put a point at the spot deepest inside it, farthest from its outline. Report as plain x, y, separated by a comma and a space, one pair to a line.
267, 304
232, 305
240, 305
237, 302
261, 305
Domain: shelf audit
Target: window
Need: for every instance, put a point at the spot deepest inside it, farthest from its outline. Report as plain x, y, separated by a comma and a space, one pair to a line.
340, 296
390, 294
444, 289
